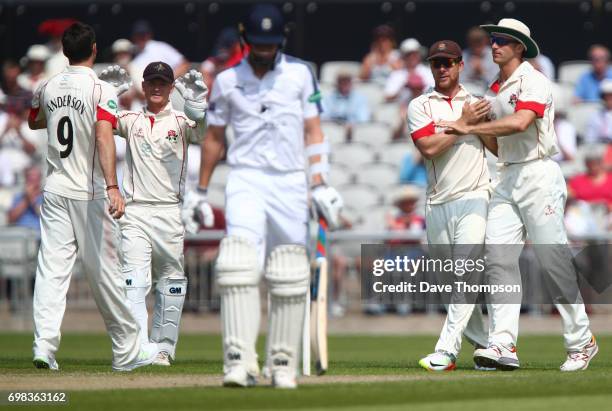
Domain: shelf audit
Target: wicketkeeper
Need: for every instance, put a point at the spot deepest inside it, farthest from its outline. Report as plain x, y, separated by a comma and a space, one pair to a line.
152, 233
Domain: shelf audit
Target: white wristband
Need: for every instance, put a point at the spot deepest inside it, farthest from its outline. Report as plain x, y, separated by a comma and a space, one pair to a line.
317, 149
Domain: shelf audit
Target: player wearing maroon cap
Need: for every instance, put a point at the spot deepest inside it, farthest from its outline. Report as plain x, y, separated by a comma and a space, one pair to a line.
457, 192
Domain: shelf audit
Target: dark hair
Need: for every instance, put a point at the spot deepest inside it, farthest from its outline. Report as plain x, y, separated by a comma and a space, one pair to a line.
78, 41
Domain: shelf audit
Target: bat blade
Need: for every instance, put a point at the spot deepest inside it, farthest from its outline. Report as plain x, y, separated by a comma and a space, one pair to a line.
320, 314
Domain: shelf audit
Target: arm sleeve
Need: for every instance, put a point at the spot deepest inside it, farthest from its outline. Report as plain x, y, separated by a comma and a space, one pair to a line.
218, 107
107, 105
420, 124
122, 125
534, 95
36, 113
311, 95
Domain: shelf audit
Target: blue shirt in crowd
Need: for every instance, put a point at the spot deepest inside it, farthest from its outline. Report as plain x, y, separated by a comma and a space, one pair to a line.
29, 218
587, 87
349, 109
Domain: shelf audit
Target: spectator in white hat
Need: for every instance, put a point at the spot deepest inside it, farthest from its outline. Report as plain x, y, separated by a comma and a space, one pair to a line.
401, 83
408, 82
600, 125
34, 60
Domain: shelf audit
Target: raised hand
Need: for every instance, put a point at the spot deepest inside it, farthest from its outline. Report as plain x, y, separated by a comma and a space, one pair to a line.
117, 77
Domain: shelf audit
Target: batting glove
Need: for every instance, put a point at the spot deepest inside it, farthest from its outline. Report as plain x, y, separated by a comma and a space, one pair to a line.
117, 77
196, 210
192, 88
328, 204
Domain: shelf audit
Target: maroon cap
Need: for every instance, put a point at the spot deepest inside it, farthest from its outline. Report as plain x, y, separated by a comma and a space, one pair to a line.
445, 49
160, 70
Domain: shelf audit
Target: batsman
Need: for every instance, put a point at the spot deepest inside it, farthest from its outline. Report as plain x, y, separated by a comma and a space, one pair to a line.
272, 102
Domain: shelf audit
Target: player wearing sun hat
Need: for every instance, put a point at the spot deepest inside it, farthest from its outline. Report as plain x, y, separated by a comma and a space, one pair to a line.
528, 200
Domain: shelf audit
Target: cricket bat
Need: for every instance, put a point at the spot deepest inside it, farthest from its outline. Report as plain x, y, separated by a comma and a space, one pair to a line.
318, 303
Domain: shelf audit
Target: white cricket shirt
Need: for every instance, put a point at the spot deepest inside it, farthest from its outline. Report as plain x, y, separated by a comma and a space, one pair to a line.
526, 89
267, 115
72, 102
156, 155
462, 168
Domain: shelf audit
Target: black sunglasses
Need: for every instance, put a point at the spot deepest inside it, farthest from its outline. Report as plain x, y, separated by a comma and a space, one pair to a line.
447, 63
502, 41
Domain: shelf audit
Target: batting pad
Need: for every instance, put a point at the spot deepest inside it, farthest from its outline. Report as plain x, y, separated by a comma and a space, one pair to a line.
238, 278
137, 283
169, 299
288, 276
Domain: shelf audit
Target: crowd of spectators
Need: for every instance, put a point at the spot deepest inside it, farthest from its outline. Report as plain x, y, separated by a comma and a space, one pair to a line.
398, 72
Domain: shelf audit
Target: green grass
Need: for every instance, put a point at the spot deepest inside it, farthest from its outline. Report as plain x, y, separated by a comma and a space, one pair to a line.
537, 385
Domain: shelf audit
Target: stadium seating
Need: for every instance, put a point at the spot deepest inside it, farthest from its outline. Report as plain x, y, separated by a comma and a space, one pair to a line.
360, 196
372, 92
373, 134
330, 70
334, 133
394, 153
352, 155
340, 175
580, 115
379, 175
374, 219
562, 96
387, 113
570, 71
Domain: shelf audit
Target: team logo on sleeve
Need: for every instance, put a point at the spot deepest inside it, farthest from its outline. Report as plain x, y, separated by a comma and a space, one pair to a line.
112, 104
315, 98
513, 100
172, 136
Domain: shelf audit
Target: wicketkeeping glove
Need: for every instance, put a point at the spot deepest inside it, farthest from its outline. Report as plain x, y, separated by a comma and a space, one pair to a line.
192, 88
117, 77
196, 210
328, 203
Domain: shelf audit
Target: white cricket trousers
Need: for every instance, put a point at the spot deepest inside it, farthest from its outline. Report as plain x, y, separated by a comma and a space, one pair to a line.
152, 237
459, 222
269, 208
529, 200
71, 228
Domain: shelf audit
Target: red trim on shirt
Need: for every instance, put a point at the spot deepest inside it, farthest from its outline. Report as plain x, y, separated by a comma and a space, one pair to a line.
534, 106
426, 131
448, 100
152, 120
102, 114
33, 113
495, 87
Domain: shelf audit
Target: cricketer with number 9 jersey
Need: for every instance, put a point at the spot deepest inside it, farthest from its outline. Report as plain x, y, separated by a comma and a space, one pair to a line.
72, 102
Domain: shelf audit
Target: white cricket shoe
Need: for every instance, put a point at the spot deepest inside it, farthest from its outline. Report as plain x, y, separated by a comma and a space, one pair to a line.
238, 376
439, 361
45, 362
147, 355
579, 360
163, 359
284, 379
497, 356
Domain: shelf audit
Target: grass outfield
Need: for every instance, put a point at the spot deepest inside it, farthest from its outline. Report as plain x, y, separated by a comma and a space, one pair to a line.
537, 385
